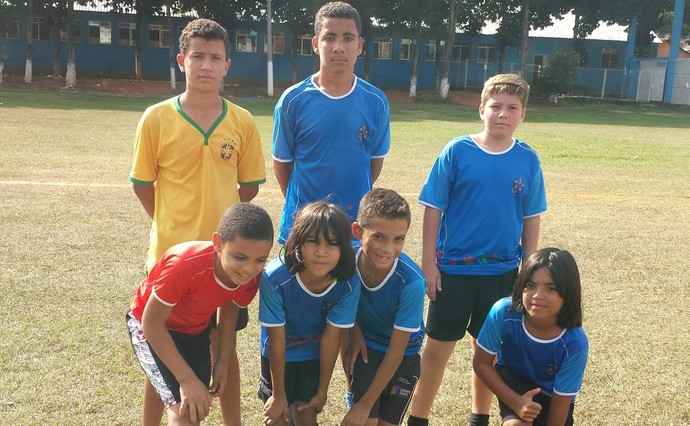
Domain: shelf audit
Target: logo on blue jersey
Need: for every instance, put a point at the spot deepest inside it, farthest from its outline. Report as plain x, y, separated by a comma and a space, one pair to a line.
363, 133
227, 148
517, 185
552, 369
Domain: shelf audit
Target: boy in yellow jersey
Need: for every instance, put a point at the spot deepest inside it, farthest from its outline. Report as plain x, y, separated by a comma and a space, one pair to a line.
194, 156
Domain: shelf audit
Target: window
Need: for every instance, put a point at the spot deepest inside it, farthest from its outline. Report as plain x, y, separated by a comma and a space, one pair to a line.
159, 35
9, 28
383, 48
304, 45
76, 31
539, 62
99, 32
246, 41
430, 50
127, 34
461, 52
41, 29
609, 57
486, 54
406, 46
278, 43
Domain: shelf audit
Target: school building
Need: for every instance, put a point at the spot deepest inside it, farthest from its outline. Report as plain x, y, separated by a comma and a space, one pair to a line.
105, 47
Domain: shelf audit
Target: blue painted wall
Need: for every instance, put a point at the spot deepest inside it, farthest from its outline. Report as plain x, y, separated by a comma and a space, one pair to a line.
113, 60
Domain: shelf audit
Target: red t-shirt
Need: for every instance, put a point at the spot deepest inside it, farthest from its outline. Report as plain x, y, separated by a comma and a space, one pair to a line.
184, 279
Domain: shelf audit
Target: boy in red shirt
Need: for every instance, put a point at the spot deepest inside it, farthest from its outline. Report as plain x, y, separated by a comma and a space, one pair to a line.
168, 320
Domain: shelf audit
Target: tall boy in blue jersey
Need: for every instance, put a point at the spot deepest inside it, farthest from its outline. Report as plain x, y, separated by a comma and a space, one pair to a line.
383, 354
483, 199
332, 130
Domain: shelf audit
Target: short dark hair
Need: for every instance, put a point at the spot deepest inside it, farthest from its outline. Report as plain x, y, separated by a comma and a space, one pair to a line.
381, 202
564, 273
207, 29
336, 9
245, 220
318, 220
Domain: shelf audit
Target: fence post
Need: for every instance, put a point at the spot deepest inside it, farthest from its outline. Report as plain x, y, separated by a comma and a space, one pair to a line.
603, 84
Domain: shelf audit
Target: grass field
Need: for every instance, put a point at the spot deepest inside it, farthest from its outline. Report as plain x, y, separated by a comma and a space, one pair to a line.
74, 240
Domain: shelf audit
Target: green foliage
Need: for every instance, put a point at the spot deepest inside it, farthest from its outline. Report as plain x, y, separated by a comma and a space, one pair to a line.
558, 76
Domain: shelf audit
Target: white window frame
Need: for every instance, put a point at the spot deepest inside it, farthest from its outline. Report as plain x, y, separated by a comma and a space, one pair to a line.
104, 32
278, 43
245, 41
383, 48
131, 29
164, 35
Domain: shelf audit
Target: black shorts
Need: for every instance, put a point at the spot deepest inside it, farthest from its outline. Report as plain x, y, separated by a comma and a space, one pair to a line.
195, 350
522, 385
242, 319
464, 304
301, 380
394, 400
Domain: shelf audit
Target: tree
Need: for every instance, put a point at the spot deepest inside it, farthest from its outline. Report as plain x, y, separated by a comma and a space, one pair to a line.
28, 70
71, 73
298, 16
558, 76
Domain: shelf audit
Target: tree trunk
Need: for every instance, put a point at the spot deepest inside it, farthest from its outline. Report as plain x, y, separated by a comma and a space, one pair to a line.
57, 66
293, 59
448, 52
524, 43
415, 61
137, 44
28, 69
71, 73
173, 82
2, 68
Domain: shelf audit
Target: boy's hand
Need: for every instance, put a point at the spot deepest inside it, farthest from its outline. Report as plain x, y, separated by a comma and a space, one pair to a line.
356, 346
196, 400
433, 279
220, 378
274, 409
315, 403
527, 409
357, 416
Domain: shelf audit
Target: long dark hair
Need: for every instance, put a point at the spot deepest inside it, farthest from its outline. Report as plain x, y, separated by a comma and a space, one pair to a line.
564, 273
321, 220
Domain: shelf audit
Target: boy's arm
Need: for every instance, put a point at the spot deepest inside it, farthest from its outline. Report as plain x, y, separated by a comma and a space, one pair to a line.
558, 410
376, 167
247, 192
522, 405
530, 235
277, 405
282, 172
329, 347
146, 195
430, 225
359, 413
196, 400
227, 345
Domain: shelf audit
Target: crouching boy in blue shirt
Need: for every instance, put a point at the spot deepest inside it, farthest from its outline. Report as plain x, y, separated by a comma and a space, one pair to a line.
382, 358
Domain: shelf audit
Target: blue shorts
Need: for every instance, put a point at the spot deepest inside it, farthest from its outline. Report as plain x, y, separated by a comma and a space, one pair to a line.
301, 380
195, 349
464, 303
394, 400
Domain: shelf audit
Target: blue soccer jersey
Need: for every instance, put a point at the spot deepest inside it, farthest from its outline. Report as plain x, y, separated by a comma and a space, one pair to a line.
557, 366
285, 301
396, 303
484, 198
330, 141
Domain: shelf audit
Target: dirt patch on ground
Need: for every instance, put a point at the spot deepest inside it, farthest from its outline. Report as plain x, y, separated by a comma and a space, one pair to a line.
162, 88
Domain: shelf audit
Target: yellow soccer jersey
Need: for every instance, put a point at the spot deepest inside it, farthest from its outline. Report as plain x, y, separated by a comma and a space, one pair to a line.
196, 173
